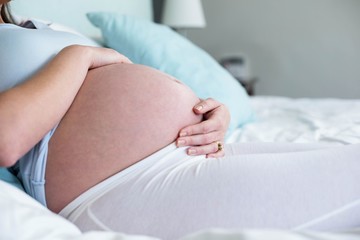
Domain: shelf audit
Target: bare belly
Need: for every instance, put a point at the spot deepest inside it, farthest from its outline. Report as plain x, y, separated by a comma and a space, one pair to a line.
122, 114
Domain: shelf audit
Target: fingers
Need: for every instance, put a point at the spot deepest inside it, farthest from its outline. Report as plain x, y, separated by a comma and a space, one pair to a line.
211, 150
206, 105
200, 139
106, 56
219, 153
203, 144
201, 128
204, 136
115, 55
216, 120
123, 59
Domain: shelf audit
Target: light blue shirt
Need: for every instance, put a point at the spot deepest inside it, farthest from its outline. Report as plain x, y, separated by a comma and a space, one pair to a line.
24, 51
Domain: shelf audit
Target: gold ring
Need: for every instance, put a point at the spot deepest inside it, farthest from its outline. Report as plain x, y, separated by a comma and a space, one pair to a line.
220, 146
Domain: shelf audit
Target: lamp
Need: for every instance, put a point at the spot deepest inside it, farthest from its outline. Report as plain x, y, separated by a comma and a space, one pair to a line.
183, 14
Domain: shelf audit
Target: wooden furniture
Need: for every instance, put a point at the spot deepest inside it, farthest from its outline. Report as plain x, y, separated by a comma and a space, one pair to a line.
248, 84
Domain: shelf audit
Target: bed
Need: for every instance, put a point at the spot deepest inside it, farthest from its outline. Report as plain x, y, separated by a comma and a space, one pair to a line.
255, 119
283, 119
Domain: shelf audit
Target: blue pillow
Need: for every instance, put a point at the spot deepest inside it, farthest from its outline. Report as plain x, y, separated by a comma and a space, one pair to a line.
157, 46
7, 176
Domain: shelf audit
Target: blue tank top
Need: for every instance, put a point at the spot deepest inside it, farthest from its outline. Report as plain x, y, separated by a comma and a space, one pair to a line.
24, 51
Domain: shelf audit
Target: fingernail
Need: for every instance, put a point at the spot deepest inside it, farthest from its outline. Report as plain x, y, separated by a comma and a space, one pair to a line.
199, 107
183, 134
191, 151
181, 142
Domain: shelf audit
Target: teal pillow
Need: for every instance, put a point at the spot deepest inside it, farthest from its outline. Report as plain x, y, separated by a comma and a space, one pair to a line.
7, 176
157, 46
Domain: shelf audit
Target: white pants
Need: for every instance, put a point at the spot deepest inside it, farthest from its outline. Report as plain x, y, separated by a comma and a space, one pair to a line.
169, 194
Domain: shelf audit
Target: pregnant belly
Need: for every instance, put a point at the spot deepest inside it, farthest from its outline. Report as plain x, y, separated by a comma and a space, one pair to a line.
122, 114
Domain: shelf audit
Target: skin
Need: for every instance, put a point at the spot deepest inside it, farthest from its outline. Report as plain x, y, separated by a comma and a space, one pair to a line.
65, 85
205, 136
133, 124
1, 20
1, 3
23, 123
201, 138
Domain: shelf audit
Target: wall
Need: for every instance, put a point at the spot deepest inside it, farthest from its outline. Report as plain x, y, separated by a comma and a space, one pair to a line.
75, 11
297, 48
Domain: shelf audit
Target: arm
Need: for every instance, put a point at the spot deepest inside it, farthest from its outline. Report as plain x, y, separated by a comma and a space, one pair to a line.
31, 109
203, 138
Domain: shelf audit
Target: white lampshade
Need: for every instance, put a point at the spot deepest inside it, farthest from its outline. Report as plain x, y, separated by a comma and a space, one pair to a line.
183, 14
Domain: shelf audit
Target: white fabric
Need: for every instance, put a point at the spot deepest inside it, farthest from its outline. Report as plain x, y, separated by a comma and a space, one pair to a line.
169, 195
267, 234
281, 119
22, 218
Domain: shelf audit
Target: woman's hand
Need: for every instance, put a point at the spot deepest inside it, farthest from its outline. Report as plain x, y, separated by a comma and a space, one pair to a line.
204, 138
39, 103
96, 56
106, 56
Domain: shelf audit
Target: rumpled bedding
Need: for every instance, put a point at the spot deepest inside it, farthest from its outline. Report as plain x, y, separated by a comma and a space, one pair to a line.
23, 218
281, 119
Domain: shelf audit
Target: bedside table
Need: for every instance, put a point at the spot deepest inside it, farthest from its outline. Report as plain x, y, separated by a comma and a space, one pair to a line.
248, 84
237, 67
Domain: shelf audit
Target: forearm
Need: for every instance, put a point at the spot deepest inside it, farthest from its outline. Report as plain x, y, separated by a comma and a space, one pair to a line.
31, 109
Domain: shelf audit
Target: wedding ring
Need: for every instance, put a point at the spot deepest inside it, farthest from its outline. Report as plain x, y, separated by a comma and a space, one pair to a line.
220, 146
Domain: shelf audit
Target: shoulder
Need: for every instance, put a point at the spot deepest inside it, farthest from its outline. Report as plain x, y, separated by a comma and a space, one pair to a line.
23, 51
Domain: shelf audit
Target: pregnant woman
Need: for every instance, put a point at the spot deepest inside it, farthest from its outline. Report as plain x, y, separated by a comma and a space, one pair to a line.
101, 142
75, 114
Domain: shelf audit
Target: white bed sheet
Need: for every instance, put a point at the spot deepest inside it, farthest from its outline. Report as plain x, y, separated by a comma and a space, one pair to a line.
281, 119
22, 218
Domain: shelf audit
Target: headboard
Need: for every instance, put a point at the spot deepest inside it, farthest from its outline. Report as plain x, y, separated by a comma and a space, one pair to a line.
72, 12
